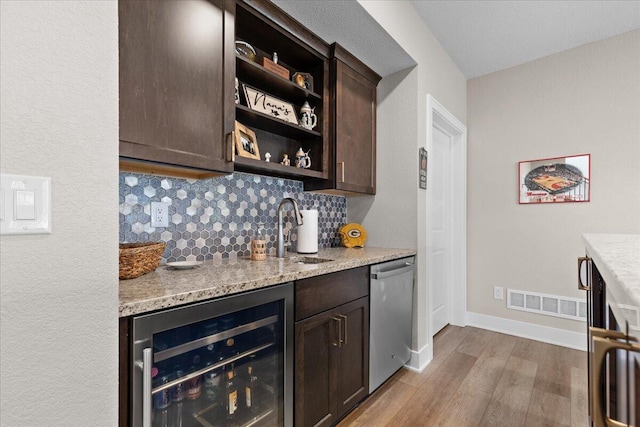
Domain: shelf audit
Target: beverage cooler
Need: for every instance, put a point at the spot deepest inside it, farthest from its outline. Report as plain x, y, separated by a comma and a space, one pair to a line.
225, 362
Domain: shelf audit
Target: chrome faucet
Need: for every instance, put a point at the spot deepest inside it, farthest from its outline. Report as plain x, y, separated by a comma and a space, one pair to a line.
298, 215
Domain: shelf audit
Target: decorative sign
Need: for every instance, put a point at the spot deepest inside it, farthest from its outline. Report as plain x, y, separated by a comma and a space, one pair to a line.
267, 104
555, 180
423, 168
275, 68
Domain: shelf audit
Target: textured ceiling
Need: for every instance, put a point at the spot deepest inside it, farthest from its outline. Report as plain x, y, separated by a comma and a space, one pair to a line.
346, 22
486, 36
481, 36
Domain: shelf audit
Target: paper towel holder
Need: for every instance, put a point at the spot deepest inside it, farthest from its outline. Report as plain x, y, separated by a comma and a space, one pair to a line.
307, 241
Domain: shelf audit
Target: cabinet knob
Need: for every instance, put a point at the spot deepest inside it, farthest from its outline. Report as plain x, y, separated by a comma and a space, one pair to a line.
341, 171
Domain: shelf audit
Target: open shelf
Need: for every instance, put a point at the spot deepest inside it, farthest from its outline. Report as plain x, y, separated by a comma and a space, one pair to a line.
272, 83
275, 169
209, 368
252, 118
178, 350
268, 32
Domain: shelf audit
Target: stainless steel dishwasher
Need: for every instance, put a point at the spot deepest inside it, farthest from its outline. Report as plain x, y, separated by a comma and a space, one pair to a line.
391, 305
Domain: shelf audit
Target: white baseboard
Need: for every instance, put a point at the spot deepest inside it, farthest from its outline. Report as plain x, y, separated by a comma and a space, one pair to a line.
419, 359
546, 334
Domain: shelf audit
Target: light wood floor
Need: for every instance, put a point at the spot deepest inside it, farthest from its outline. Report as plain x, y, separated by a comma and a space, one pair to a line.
483, 378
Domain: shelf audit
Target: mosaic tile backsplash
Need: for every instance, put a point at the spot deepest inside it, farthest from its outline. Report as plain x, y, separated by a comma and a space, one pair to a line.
217, 217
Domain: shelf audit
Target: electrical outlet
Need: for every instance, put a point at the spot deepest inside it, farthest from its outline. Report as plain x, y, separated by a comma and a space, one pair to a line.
498, 292
159, 214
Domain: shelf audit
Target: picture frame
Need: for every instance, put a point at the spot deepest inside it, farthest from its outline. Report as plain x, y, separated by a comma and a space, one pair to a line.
246, 142
264, 103
555, 180
304, 80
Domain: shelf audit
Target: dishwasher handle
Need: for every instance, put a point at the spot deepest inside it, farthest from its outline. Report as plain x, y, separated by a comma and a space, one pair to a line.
390, 273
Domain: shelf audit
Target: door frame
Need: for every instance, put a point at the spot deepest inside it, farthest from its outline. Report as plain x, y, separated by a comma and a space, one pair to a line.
440, 118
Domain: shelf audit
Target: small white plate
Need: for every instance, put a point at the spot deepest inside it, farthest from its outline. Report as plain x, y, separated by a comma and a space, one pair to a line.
184, 265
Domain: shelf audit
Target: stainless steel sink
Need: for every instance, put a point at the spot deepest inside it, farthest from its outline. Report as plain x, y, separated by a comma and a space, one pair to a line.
309, 260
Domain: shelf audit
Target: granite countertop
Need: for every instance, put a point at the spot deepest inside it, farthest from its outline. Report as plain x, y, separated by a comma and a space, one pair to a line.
167, 287
617, 257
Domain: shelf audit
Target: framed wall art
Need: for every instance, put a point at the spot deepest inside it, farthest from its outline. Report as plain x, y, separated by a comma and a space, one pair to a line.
555, 180
269, 105
246, 142
422, 168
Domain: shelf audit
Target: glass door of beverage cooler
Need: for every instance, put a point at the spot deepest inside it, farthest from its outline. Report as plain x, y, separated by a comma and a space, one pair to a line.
226, 362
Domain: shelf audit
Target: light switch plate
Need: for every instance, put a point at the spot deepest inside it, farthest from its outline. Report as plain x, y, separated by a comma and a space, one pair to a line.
26, 204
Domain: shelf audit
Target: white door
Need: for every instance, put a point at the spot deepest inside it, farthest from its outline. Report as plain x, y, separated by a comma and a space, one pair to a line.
439, 222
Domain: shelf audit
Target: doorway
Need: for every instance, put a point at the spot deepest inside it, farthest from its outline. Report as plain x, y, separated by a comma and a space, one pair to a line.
446, 218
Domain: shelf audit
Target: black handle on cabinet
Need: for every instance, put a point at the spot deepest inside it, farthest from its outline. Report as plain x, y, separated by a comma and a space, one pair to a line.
604, 341
584, 265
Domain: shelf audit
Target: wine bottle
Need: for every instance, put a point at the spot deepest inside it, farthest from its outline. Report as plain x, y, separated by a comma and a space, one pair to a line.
231, 395
212, 383
251, 386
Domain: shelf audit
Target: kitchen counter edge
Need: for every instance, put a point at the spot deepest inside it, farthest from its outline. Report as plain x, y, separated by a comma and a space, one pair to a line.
167, 288
617, 257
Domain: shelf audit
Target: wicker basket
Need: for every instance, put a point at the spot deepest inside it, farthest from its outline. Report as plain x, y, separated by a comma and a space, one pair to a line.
137, 259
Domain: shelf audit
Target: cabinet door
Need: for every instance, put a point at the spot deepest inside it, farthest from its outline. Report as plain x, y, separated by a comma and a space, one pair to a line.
177, 67
315, 371
355, 131
353, 355
124, 374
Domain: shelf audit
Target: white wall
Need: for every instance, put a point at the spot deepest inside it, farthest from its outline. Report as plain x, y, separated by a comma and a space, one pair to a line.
396, 215
584, 100
59, 292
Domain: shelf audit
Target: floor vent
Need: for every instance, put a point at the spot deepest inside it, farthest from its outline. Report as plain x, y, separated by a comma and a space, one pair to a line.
551, 305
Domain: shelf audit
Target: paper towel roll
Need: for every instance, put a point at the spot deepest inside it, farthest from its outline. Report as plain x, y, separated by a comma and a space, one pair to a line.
308, 232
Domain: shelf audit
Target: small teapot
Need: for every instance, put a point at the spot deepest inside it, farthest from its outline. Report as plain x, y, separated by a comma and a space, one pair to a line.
308, 119
302, 159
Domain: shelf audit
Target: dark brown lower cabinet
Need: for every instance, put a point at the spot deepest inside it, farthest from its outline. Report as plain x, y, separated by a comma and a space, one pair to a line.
332, 363
613, 356
124, 364
353, 356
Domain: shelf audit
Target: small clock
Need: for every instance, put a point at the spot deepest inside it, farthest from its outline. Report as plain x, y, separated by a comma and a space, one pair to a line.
246, 50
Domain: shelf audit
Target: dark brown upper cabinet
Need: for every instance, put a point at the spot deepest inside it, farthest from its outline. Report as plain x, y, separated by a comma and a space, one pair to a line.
268, 30
177, 69
178, 66
353, 112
